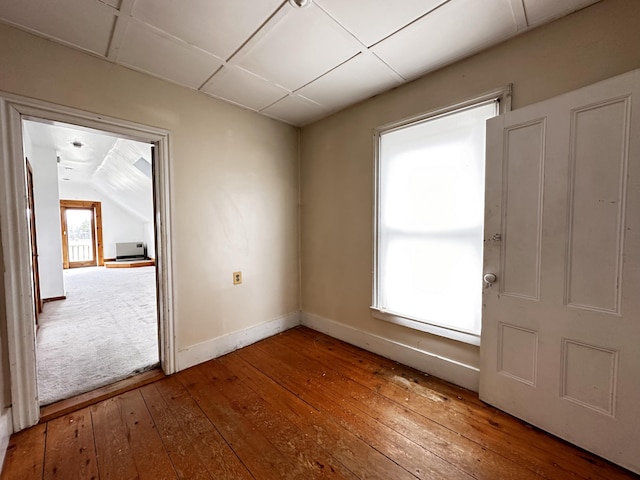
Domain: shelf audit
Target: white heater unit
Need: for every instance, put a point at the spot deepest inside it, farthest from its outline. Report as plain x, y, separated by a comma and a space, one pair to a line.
130, 251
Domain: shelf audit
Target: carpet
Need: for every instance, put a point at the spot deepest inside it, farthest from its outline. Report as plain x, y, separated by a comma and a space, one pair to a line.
106, 330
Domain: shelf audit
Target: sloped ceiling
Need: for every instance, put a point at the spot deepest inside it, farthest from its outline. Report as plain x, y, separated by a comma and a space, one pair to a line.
118, 167
290, 62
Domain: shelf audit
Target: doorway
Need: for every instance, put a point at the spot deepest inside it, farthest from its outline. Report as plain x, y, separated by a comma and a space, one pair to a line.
81, 223
14, 226
98, 326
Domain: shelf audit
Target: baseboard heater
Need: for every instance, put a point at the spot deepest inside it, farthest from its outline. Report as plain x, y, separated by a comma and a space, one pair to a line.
128, 251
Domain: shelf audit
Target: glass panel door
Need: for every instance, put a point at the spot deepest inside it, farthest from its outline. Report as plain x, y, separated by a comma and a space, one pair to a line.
80, 228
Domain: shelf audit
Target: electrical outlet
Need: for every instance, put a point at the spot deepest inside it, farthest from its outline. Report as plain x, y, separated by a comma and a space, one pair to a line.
237, 278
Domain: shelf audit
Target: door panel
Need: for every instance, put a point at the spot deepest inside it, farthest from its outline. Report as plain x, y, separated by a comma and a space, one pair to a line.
524, 168
562, 232
597, 201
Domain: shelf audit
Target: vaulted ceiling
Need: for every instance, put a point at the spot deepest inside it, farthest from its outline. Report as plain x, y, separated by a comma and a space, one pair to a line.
293, 60
117, 167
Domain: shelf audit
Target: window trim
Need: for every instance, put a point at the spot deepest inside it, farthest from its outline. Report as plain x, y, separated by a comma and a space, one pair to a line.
503, 96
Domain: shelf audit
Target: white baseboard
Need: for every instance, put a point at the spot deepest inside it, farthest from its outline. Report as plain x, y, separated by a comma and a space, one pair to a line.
436, 365
230, 342
6, 429
445, 368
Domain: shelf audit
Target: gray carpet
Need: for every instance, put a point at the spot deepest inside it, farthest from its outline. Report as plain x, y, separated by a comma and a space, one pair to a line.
106, 330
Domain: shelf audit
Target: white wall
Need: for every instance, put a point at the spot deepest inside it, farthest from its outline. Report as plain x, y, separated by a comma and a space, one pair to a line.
118, 224
150, 240
48, 231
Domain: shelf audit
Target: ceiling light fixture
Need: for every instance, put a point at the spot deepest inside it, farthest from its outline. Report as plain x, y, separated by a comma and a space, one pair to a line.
300, 3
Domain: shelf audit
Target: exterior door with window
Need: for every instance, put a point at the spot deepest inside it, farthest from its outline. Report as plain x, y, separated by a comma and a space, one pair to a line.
81, 233
561, 324
79, 230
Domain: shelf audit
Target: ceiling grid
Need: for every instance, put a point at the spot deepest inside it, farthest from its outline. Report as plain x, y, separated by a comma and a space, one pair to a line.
295, 64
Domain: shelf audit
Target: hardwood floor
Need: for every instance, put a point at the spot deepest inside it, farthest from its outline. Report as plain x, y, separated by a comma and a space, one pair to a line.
299, 405
63, 407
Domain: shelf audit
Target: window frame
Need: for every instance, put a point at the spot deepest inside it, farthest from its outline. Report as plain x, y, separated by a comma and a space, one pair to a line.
503, 97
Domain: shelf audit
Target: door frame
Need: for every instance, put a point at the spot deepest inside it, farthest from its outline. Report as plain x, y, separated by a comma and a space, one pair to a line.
35, 268
15, 239
96, 231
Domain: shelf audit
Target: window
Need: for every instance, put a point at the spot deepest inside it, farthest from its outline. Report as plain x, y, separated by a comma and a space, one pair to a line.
429, 221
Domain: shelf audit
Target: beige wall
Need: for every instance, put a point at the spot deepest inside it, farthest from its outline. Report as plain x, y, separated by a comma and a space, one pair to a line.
235, 182
337, 153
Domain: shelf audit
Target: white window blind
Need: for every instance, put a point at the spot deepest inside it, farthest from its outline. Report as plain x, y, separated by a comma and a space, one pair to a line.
430, 213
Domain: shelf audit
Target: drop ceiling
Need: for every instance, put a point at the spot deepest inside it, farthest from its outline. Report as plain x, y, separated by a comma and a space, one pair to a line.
295, 64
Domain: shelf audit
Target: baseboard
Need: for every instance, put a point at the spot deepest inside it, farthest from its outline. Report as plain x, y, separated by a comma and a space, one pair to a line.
130, 264
54, 299
445, 368
216, 347
6, 429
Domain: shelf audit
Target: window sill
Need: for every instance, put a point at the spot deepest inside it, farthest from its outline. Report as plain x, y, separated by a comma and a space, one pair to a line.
465, 337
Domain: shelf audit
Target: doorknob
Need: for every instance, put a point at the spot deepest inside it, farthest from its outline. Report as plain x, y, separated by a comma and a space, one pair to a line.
489, 278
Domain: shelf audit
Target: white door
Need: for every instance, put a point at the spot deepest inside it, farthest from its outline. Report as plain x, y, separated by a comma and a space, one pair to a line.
560, 345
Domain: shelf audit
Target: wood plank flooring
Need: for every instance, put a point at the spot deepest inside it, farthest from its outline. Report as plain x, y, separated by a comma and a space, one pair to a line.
299, 405
63, 407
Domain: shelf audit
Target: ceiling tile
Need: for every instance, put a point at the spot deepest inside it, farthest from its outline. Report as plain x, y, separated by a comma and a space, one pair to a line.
259, 51
295, 110
239, 86
300, 47
453, 31
217, 26
359, 78
372, 20
146, 50
81, 23
542, 11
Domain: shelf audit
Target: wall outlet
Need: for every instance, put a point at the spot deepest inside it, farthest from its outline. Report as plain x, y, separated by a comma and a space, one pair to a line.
237, 278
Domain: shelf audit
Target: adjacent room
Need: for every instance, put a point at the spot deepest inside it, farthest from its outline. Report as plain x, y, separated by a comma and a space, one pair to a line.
96, 319
379, 239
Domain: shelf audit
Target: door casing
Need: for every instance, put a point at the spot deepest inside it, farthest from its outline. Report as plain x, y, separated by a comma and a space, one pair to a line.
34, 243
15, 239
